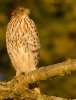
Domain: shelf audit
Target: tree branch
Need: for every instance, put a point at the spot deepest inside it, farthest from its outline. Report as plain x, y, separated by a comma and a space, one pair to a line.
50, 71
18, 87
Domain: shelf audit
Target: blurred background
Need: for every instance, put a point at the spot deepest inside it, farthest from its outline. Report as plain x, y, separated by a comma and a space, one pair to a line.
56, 23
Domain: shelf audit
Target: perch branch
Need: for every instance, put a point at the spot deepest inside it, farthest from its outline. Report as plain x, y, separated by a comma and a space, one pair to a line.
50, 71
18, 87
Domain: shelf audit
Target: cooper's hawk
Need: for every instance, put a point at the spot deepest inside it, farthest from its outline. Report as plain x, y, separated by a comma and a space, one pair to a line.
22, 41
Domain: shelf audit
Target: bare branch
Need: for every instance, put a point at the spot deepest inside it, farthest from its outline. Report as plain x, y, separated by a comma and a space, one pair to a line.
18, 87
50, 71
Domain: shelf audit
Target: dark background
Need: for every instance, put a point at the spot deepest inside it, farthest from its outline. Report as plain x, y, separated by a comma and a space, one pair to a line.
56, 23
